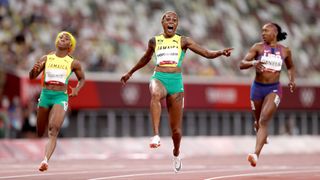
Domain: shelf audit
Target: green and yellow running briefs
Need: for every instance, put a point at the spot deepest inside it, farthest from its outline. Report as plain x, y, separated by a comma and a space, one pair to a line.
48, 98
171, 81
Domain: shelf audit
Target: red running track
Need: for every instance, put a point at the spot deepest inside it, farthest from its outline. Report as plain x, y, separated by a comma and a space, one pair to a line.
277, 167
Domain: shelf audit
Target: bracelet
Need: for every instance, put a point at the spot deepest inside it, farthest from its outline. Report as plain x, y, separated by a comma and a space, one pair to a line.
254, 62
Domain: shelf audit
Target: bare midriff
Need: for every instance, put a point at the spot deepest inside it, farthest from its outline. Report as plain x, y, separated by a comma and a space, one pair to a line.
168, 69
267, 77
55, 87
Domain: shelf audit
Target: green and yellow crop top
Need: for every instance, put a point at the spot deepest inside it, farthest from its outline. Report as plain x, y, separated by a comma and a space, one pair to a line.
168, 51
57, 70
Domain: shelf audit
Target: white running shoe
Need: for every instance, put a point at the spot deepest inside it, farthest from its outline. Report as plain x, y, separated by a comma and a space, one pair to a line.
253, 159
43, 166
177, 164
267, 140
155, 141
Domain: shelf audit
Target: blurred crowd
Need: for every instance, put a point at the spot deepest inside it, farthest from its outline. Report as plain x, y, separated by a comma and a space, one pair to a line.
112, 34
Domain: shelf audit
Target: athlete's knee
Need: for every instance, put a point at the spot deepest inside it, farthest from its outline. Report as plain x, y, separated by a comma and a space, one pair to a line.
263, 121
53, 131
156, 96
176, 133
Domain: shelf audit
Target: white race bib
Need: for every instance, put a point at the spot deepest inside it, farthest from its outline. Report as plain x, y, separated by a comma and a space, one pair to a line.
272, 61
167, 56
57, 75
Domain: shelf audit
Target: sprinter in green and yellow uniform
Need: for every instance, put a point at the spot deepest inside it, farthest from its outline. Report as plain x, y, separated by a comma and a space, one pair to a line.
169, 49
53, 102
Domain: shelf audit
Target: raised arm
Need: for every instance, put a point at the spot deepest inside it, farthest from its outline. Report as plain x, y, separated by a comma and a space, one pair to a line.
145, 59
189, 43
77, 69
291, 70
38, 67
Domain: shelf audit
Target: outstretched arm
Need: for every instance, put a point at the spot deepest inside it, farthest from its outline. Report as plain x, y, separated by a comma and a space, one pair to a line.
189, 43
142, 62
38, 67
291, 70
77, 69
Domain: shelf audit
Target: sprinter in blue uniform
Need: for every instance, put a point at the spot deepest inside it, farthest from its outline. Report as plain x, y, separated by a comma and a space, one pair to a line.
267, 57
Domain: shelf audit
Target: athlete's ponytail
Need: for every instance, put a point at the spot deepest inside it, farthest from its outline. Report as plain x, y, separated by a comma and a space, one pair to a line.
281, 35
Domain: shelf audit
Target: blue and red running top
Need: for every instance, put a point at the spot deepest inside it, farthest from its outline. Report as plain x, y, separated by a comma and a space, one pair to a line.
273, 58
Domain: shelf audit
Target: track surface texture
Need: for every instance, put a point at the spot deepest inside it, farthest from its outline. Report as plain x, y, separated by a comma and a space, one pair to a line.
235, 167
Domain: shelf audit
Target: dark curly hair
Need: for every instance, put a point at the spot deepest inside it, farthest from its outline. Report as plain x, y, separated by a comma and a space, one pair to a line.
281, 35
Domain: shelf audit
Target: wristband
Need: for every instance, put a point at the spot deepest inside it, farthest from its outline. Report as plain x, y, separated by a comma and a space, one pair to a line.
254, 62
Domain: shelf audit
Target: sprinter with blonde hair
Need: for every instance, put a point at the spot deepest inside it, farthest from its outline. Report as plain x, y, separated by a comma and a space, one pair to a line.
53, 102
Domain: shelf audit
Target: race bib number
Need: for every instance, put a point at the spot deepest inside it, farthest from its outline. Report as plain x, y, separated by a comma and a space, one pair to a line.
277, 100
65, 105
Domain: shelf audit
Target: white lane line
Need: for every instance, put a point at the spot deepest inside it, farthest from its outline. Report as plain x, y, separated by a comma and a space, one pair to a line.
62, 173
132, 175
44, 174
203, 171
148, 174
163, 173
75, 172
263, 173
240, 168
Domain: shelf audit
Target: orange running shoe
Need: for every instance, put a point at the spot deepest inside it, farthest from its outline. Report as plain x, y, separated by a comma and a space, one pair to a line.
253, 159
43, 166
155, 141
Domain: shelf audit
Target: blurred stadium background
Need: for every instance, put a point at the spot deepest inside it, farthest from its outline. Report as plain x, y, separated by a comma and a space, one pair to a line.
113, 34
